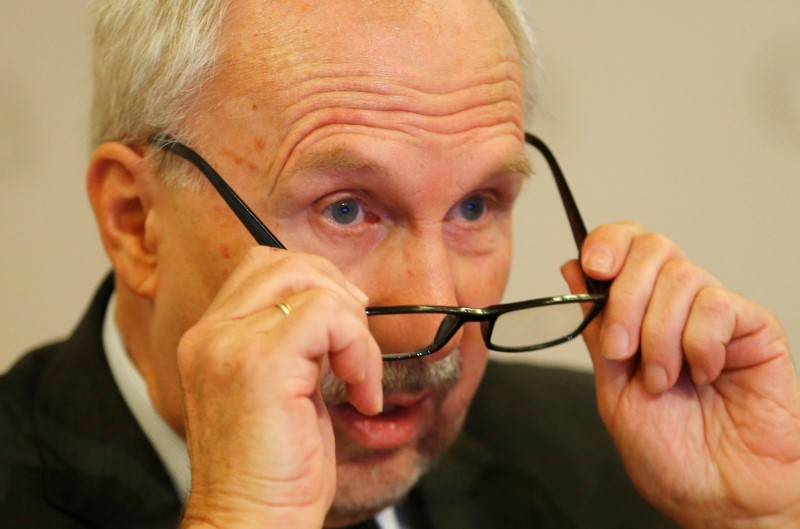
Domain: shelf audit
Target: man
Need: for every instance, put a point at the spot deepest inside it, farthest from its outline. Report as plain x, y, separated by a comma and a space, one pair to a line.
382, 142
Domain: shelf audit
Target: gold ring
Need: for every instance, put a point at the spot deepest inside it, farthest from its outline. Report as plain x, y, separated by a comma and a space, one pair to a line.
285, 308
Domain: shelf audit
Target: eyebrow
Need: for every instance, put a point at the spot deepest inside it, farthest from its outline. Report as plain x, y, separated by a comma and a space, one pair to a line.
340, 159
519, 163
337, 159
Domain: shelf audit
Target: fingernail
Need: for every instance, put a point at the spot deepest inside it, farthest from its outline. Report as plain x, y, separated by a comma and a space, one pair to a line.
655, 378
357, 292
599, 259
616, 342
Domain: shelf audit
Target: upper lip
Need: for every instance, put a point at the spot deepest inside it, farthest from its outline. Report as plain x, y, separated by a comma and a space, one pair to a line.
406, 399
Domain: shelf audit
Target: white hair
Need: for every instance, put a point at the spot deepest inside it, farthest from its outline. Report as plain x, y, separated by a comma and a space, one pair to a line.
153, 57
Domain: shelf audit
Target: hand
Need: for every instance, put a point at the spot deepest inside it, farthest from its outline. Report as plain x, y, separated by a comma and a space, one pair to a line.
260, 439
695, 385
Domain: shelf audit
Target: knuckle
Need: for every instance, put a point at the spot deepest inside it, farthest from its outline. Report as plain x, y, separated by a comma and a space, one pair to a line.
680, 271
653, 241
259, 254
623, 295
712, 301
190, 341
629, 226
711, 305
659, 244
192, 349
632, 226
293, 264
301, 264
656, 337
325, 301
698, 345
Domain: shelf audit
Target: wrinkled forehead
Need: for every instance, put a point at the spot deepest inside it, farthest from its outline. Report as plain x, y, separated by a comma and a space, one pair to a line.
430, 44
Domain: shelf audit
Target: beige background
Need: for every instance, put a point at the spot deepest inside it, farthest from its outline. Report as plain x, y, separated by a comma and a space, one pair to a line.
684, 115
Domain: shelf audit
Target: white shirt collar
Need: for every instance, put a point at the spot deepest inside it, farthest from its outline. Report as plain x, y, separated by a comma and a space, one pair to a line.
387, 519
169, 446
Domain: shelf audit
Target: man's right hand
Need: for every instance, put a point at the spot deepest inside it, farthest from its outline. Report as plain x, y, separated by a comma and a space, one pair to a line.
260, 439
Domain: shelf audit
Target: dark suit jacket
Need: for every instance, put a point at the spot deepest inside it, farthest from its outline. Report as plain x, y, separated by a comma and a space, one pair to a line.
533, 453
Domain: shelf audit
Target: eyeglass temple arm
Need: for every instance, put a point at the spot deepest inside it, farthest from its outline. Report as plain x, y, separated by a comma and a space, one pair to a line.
570, 206
257, 229
265, 237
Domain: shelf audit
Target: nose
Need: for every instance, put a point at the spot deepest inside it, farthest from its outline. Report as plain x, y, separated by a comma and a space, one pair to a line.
415, 269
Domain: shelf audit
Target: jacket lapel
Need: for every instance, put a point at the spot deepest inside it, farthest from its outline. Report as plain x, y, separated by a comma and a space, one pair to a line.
469, 488
98, 465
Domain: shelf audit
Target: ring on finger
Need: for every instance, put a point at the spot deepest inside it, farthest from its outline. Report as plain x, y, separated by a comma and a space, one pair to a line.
285, 308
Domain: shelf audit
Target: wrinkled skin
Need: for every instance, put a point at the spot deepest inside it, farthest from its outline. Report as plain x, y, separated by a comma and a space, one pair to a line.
695, 384
409, 112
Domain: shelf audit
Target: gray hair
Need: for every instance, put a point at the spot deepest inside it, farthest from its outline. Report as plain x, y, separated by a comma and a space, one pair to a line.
152, 58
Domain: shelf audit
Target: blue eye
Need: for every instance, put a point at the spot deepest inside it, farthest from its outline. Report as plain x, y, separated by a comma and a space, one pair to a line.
473, 208
345, 211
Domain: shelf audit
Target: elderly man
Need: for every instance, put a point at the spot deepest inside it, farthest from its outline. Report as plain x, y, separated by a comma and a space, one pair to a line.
382, 143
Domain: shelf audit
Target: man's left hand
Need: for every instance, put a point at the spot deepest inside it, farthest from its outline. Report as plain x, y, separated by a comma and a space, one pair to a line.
694, 383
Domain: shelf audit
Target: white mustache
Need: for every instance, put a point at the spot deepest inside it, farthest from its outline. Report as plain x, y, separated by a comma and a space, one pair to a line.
403, 376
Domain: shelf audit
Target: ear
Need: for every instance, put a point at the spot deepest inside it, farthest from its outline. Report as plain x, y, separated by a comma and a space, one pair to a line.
121, 188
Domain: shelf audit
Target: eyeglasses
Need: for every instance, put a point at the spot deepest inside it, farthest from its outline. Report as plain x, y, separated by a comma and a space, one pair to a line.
508, 327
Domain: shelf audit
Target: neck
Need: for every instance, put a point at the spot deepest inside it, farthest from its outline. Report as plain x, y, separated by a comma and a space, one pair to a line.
152, 354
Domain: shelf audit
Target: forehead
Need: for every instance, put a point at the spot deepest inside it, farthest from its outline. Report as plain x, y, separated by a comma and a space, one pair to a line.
435, 78
432, 45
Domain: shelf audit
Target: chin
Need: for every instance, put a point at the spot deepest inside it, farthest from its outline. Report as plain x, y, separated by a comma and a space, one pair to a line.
369, 481
367, 484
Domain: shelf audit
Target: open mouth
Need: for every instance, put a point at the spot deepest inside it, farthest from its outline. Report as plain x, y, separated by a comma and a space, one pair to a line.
398, 425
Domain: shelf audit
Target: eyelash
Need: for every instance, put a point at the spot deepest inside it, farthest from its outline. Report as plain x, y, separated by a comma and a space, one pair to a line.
362, 214
489, 201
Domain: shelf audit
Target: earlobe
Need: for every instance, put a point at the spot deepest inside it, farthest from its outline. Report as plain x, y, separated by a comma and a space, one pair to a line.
120, 185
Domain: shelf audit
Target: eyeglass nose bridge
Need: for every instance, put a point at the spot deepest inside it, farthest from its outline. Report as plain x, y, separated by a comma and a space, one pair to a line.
452, 323
454, 319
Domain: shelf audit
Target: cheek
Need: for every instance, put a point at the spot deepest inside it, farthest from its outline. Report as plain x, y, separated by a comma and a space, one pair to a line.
197, 255
481, 281
474, 357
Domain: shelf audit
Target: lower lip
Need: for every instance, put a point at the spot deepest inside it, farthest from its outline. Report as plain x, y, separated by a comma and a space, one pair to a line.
385, 431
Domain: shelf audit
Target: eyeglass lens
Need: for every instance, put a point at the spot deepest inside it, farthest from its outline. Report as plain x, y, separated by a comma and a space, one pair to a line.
522, 329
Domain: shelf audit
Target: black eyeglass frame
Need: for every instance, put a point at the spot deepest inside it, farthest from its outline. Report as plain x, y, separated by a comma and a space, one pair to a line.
455, 317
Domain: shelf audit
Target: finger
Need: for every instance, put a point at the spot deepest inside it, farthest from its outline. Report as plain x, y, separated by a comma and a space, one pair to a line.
725, 331
321, 328
667, 313
572, 273
611, 376
267, 276
630, 294
367, 396
605, 248
705, 347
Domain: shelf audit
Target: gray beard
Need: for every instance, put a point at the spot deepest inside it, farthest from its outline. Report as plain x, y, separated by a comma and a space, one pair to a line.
402, 376
398, 376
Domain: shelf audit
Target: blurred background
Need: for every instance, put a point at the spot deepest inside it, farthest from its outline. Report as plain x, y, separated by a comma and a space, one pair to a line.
683, 115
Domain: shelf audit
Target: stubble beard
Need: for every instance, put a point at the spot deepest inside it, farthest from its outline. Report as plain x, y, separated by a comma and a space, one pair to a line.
385, 478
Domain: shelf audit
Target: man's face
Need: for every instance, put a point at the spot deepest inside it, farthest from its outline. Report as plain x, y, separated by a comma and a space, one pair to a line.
387, 137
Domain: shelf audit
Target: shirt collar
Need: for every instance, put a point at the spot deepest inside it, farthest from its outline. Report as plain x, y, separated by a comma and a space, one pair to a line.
169, 446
